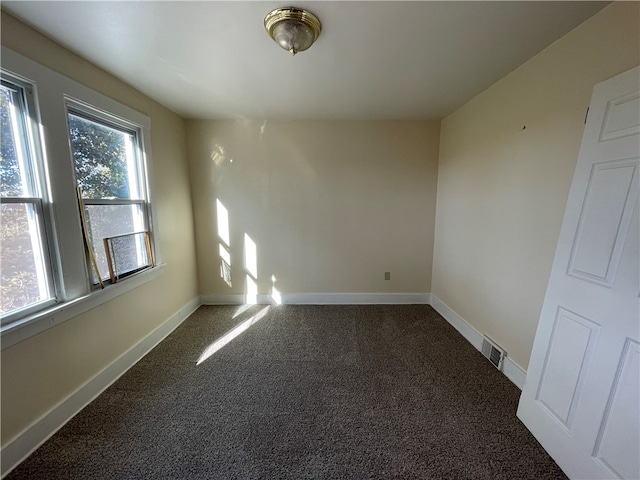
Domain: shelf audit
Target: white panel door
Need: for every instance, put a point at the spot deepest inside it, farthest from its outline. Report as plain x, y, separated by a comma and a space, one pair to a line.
581, 399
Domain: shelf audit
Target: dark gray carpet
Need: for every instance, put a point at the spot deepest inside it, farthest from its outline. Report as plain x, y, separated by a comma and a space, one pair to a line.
307, 392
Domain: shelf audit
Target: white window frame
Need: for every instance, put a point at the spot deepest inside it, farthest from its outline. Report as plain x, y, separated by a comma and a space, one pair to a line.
32, 154
71, 271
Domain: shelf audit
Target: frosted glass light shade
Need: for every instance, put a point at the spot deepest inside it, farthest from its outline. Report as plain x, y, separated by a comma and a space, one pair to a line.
293, 29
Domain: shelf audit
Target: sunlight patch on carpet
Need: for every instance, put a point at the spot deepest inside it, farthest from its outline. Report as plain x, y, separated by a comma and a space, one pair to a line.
231, 334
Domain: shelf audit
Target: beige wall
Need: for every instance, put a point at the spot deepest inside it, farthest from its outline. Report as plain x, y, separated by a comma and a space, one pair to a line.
40, 372
330, 205
502, 188
333, 205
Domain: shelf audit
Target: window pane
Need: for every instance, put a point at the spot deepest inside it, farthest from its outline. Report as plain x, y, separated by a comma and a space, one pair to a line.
105, 160
24, 280
11, 175
110, 221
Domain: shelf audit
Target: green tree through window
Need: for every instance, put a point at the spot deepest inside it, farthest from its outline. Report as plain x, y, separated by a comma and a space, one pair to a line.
100, 158
9, 170
24, 279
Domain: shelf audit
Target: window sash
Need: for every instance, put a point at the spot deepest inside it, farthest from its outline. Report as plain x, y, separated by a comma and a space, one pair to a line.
25, 142
25, 135
139, 169
43, 253
136, 171
114, 201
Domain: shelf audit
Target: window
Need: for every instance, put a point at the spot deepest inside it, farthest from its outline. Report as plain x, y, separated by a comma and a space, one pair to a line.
26, 282
74, 178
111, 184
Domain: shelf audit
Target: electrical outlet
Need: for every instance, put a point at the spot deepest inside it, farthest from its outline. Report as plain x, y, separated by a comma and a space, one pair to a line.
387, 275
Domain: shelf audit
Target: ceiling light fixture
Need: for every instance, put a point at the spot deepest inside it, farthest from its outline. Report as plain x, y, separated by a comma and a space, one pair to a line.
292, 28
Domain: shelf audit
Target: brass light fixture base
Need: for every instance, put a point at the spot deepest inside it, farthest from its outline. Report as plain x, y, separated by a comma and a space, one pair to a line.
292, 28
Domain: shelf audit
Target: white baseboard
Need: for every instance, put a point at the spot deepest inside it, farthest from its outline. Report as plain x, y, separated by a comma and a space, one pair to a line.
510, 369
323, 299
514, 372
473, 336
233, 299
23, 444
356, 298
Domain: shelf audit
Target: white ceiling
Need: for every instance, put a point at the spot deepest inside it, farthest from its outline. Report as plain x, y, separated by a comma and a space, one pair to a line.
375, 59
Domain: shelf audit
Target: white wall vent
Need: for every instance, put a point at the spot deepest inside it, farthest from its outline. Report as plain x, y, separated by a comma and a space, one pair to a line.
493, 352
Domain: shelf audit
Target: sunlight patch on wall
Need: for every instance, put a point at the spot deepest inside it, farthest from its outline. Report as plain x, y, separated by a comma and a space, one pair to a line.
250, 256
251, 268
224, 247
219, 155
223, 222
275, 293
252, 291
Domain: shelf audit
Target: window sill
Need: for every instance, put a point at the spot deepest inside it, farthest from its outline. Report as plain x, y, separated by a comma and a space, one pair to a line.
22, 329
